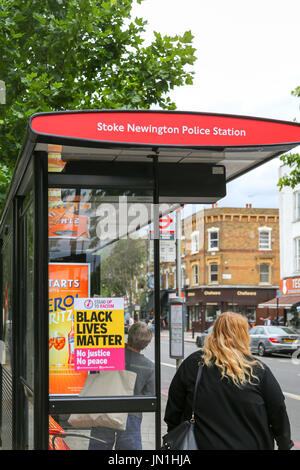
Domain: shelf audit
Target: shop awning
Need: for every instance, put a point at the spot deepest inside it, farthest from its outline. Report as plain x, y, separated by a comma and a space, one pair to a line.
286, 301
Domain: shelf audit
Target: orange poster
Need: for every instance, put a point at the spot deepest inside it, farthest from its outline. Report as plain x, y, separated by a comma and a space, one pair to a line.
65, 222
67, 281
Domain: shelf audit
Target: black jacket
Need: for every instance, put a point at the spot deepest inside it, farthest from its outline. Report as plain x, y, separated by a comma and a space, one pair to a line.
229, 417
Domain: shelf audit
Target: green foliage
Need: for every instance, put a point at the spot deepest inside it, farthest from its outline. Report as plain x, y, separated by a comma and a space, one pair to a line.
293, 177
296, 92
82, 54
5, 178
121, 267
292, 161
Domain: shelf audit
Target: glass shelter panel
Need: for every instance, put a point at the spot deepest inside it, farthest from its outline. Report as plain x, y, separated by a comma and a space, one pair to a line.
100, 285
29, 356
27, 321
101, 303
103, 438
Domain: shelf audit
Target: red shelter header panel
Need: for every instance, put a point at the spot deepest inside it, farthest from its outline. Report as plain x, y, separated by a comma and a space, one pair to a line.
167, 128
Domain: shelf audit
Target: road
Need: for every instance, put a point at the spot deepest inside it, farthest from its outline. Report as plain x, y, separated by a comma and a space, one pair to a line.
284, 369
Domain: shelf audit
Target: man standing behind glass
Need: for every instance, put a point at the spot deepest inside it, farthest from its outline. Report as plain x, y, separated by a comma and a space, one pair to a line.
139, 337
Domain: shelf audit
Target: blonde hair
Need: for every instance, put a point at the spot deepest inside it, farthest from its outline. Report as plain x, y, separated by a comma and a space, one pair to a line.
227, 347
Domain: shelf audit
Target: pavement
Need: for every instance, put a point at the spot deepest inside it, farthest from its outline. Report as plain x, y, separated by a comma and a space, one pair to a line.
188, 336
148, 422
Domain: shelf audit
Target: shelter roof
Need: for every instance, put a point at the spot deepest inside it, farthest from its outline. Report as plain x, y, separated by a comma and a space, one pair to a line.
239, 143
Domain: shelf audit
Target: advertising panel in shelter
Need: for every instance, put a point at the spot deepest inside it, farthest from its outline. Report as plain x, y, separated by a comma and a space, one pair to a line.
67, 281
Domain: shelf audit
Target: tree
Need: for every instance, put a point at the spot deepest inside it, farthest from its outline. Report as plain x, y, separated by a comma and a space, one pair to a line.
82, 54
292, 161
122, 268
5, 178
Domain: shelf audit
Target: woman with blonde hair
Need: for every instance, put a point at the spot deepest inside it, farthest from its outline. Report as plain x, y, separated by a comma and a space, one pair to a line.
240, 405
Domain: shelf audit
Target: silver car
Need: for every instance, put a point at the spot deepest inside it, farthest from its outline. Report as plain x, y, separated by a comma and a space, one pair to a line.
201, 337
273, 339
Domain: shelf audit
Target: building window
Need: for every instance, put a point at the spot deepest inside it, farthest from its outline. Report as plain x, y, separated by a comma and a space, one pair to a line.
213, 239
264, 273
297, 254
213, 273
265, 238
195, 242
195, 274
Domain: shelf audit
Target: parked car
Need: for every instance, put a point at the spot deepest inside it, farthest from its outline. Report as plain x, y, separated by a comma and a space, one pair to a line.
273, 339
200, 338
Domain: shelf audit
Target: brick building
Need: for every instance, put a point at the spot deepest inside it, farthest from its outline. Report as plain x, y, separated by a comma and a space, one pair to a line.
285, 307
230, 261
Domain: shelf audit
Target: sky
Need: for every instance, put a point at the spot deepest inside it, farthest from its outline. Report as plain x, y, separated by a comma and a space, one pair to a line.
247, 64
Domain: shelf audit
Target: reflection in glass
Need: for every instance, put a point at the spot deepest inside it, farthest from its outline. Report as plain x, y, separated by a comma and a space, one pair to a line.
129, 437
81, 439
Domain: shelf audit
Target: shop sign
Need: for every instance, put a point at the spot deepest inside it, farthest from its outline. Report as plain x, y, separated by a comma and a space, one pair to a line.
212, 292
246, 292
99, 334
290, 286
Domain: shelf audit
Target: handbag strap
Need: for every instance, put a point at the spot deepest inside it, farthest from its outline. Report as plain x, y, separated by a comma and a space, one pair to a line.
199, 374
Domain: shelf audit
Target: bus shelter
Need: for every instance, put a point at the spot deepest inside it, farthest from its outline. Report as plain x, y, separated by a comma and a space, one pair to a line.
80, 238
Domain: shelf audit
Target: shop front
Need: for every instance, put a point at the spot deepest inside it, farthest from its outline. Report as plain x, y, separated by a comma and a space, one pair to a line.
205, 304
284, 308
76, 261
